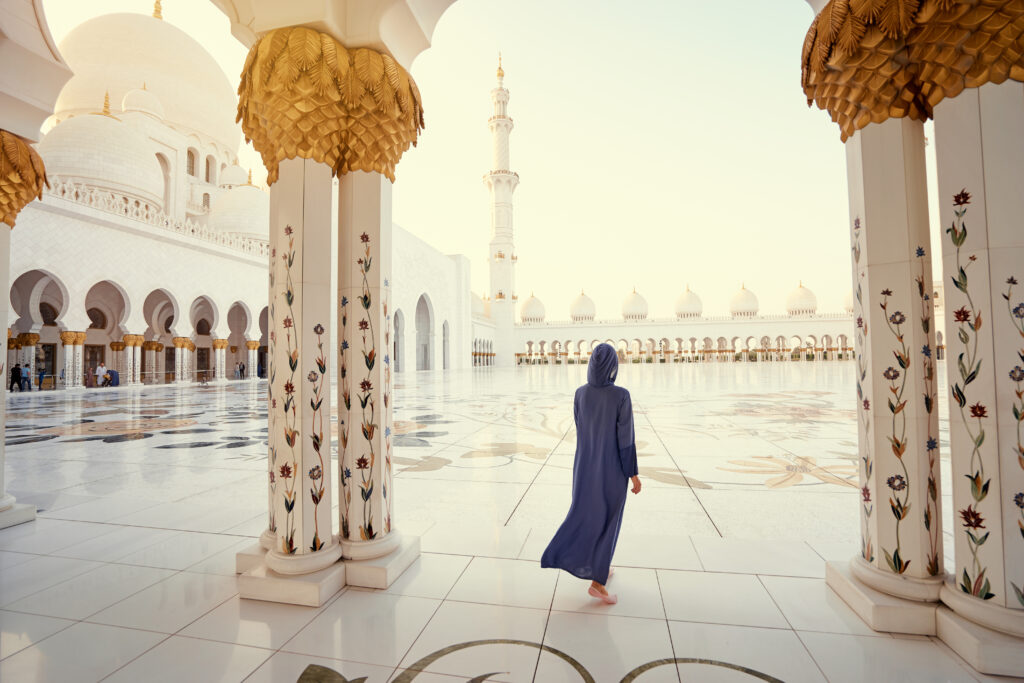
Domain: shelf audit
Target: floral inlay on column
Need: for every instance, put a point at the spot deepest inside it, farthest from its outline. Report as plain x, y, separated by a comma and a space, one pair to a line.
864, 405
1016, 312
899, 501
289, 409
343, 432
930, 401
969, 322
317, 378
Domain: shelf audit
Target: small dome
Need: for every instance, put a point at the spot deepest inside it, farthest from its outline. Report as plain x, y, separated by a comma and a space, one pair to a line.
848, 301
102, 151
477, 304
689, 305
801, 301
634, 307
582, 309
744, 304
143, 101
532, 310
234, 175
242, 210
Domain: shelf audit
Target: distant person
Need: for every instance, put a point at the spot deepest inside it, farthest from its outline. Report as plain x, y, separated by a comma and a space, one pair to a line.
15, 378
241, 369
101, 372
114, 378
605, 463
259, 369
42, 374
26, 379
90, 378
238, 373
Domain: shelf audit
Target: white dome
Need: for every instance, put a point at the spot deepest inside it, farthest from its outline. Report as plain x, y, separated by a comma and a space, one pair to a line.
848, 301
477, 303
634, 307
143, 101
744, 304
801, 301
106, 153
120, 52
234, 175
689, 305
243, 210
532, 310
582, 309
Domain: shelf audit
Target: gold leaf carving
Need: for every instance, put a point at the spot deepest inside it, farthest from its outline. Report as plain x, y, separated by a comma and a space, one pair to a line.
865, 61
302, 94
22, 175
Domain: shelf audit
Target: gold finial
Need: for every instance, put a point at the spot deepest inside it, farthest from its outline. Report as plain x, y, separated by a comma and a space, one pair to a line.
157, 10
106, 103
249, 182
501, 72
144, 85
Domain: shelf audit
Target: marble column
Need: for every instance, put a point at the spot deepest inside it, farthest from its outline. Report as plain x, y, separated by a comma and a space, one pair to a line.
298, 390
979, 151
11, 511
74, 344
132, 359
901, 534
219, 359
28, 346
126, 366
365, 400
180, 358
117, 358
252, 361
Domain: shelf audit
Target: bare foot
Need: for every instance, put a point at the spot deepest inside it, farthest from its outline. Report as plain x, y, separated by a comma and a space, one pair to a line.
599, 588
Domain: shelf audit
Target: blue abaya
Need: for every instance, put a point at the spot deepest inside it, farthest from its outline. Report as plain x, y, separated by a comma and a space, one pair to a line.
605, 460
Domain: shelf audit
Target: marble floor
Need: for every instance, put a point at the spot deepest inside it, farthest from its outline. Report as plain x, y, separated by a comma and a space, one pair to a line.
749, 474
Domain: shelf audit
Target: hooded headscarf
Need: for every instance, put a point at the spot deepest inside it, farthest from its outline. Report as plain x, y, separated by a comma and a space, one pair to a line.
603, 366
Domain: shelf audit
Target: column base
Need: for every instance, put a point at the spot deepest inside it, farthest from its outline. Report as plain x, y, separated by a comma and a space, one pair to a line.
249, 558
19, 513
987, 651
312, 590
880, 611
985, 614
367, 550
307, 563
268, 539
381, 572
908, 588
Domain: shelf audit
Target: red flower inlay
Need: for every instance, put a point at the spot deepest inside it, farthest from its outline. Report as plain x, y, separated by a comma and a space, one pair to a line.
961, 315
972, 518
286, 471
978, 410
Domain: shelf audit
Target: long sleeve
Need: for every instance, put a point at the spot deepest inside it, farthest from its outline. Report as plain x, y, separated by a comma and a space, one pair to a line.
627, 441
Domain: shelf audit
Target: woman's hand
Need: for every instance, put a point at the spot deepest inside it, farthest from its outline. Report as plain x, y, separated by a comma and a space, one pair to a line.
636, 484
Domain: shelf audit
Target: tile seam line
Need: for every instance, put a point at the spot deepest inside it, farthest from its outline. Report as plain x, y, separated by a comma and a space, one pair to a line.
685, 478
544, 634
534, 480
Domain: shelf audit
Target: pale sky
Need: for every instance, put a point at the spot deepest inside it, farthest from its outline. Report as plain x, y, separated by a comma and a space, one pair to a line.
657, 146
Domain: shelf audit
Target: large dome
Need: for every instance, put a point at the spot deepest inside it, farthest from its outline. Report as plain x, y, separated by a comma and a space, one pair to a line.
141, 100
744, 304
634, 307
801, 301
689, 305
234, 175
582, 309
121, 52
103, 152
243, 210
532, 310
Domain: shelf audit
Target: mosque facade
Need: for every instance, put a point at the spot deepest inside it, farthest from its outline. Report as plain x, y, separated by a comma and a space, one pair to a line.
148, 251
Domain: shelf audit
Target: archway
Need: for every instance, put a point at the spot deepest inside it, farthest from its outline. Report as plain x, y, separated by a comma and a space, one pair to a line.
399, 352
445, 344
424, 334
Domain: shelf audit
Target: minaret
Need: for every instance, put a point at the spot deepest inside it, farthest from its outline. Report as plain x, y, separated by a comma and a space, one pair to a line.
502, 182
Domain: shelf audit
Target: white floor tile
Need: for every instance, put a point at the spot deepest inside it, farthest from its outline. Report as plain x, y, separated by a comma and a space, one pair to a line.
853, 659
171, 604
9, 559
83, 652
88, 593
181, 550
18, 631
810, 605
285, 666
637, 589
751, 556
430, 576
607, 647
29, 577
365, 626
709, 597
457, 623
222, 563
515, 583
187, 659
46, 536
773, 652
115, 545
252, 622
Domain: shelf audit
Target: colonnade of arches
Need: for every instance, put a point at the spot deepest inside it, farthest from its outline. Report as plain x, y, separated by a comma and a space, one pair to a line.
424, 337
148, 337
766, 348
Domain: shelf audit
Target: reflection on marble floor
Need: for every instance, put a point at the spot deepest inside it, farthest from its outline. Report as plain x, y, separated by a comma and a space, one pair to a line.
146, 495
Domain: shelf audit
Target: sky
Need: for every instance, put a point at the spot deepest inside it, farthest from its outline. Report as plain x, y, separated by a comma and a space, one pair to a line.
659, 146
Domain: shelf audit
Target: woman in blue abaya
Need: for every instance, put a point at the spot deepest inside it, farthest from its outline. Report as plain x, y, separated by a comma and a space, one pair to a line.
605, 462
